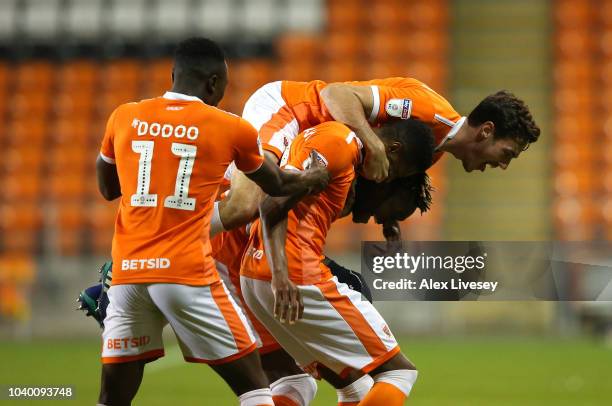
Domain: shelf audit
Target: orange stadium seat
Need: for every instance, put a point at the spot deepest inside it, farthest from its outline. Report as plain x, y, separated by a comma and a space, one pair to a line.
384, 46
604, 12
77, 75
75, 103
343, 45
70, 158
295, 47
575, 182
574, 218
66, 187
69, 224
385, 15
109, 100
574, 43
300, 70
19, 227
341, 71
158, 77
571, 14
573, 97
382, 69
121, 73
425, 43
17, 161
250, 73
101, 219
425, 14
69, 131
30, 132
569, 125
31, 103
346, 15
34, 75
573, 71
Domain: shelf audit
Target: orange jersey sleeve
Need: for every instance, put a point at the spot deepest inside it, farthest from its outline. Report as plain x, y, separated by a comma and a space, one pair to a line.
107, 151
309, 221
171, 154
393, 98
247, 148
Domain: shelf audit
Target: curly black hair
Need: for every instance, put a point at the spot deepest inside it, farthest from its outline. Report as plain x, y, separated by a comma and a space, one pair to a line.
509, 114
419, 186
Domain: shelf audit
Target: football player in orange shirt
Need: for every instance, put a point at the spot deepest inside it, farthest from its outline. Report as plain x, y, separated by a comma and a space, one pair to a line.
337, 333
497, 130
166, 157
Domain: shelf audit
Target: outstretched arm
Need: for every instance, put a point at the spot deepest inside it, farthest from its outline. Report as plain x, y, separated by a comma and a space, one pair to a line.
277, 182
349, 104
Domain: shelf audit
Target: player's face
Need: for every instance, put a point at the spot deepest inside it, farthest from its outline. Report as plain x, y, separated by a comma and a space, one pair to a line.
398, 206
384, 201
491, 152
398, 167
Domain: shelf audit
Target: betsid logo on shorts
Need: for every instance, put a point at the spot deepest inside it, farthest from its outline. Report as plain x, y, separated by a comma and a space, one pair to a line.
148, 263
127, 342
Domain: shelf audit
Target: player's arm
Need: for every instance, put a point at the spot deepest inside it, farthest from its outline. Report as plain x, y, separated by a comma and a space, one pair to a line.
288, 305
108, 179
349, 105
106, 169
278, 182
242, 203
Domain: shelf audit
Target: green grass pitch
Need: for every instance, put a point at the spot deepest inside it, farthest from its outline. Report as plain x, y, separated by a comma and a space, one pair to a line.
467, 371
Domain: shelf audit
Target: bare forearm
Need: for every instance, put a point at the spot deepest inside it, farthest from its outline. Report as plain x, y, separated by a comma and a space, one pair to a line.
108, 180
274, 235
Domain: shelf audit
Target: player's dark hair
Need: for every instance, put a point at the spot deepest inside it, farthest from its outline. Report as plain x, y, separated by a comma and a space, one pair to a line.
417, 139
510, 115
199, 58
419, 186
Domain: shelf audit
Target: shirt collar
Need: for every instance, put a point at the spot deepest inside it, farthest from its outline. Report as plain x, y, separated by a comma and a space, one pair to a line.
453, 131
180, 96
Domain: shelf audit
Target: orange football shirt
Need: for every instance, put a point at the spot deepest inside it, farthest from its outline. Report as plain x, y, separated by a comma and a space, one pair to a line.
393, 98
171, 154
310, 220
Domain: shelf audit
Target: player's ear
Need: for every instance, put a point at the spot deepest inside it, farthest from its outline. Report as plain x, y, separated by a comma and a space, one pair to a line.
486, 130
394, 146
212, 83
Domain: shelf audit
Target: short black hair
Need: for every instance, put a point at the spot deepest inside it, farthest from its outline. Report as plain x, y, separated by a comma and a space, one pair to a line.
417, 139
510, 115
199, 58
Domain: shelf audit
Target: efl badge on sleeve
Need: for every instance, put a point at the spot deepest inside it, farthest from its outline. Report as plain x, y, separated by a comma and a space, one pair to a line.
400, 108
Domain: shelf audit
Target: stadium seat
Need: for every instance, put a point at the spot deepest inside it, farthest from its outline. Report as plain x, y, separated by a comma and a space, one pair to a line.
341, 71
343, 45
573, 71
127, 19
574, 43
71, 131
78, 75
19, 217
68, 187
17, 161
27, 132
295, 48
215, 17
75, 103
8, 19
171, 19
345, 16
259, 16
36, 75
41, 19
31, 103
121, 74
570, 14
302, 16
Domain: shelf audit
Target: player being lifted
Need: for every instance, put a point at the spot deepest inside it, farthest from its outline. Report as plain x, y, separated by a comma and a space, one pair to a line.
333, 331
165, 157
494, 133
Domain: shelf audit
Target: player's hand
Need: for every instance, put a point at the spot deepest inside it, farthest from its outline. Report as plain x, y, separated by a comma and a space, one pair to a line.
376, 165
392, 231
316, 176
288, 305
393, 236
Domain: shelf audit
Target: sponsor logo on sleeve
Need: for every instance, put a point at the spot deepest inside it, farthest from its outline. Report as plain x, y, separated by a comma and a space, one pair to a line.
400, 108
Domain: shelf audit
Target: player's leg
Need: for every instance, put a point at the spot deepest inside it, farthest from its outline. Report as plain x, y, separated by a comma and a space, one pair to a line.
350, 389
132, 337
289, 384
393, 382
211, 329
120, 382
